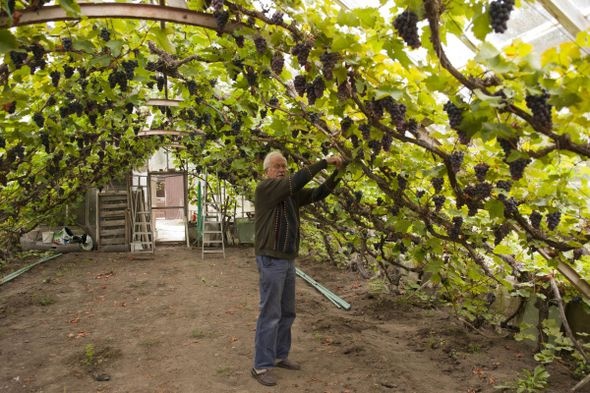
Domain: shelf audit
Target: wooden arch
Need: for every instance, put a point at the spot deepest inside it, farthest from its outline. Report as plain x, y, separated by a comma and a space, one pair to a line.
118, 10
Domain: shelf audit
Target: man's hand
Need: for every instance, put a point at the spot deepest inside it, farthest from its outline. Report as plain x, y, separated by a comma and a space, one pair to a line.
335, 160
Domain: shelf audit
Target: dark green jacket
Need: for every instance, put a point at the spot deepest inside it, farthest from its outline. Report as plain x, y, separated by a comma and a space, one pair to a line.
277, 203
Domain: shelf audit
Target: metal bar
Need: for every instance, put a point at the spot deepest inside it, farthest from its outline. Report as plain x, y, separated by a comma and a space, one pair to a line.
17, 273
119, 10
338, 301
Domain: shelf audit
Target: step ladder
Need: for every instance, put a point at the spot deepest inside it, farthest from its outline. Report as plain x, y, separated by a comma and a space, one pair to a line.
112, 219
142, 237
212, 234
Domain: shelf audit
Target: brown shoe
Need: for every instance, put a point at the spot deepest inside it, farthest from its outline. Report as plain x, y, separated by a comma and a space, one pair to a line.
265, 377
288, 364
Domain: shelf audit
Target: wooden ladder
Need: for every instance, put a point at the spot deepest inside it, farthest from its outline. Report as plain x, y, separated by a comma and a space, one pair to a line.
212, 235
113, 229
142, 233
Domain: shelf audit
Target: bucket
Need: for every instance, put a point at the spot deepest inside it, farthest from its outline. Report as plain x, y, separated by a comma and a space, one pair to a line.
47, 237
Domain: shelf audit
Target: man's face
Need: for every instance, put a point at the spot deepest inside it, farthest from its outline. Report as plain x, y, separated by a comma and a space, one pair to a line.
277, 168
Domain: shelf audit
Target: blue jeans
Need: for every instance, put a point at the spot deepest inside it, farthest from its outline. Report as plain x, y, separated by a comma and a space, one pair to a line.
277, 310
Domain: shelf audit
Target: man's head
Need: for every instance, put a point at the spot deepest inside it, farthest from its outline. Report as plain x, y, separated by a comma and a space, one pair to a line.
275, 165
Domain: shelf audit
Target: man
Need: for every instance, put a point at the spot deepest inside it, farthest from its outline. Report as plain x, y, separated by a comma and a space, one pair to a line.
277, 201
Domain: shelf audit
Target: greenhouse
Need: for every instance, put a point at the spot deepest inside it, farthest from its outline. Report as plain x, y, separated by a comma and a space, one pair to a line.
134, 135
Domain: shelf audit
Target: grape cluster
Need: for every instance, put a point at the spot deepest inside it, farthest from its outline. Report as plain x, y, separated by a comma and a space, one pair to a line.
329, 60
501, 232
374, 109
67, 44
553, 220
260, 44
541, 109
239, 40
251, 76
70, 108
481, 170
500, 14
455, 230
18, 58
402, 182
277, 62
300, 84
221, 18
345, 124
277, 18
301, 51
479, 191
129, 66
396, 110
343, 92
68, 71
315, 90
217, 4
386, 141
44, 136
358, 195
118, 77
517, 167
39, 119
454, 113
439, 201
508, 145
510, 205
38, 56
365, 130
437, 183
535, 219
405, 24
456, 159
105, 34
160, 81
504, 185
55, 75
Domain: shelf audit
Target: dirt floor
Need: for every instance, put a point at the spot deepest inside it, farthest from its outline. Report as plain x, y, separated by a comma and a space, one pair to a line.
172, 322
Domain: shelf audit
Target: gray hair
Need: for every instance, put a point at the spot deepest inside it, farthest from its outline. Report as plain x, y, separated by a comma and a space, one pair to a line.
269, 157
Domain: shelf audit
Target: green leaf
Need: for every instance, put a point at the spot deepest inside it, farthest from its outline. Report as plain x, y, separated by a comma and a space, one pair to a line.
100, 61
71, 7
7, 41
347, 18
481, 26
115, 47
495, 209
83, 45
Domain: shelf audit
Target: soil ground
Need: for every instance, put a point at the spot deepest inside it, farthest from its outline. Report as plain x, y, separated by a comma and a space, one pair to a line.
172, 322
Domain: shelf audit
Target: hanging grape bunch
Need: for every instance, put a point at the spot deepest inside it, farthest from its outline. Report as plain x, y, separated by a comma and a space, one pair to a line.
300, 84
301, 51
405, 24
517, 167
535, 219
541, 109
439, 201
18, 58
501, 232
500, 14
329, 60
455, 230
456, 159
481, 170
553, 220
277, 62
221, 18
277, 18
105, 34
260, 44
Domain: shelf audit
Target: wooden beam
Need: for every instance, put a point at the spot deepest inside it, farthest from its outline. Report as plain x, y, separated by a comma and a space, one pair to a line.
119, 10
567, 15
163, 102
